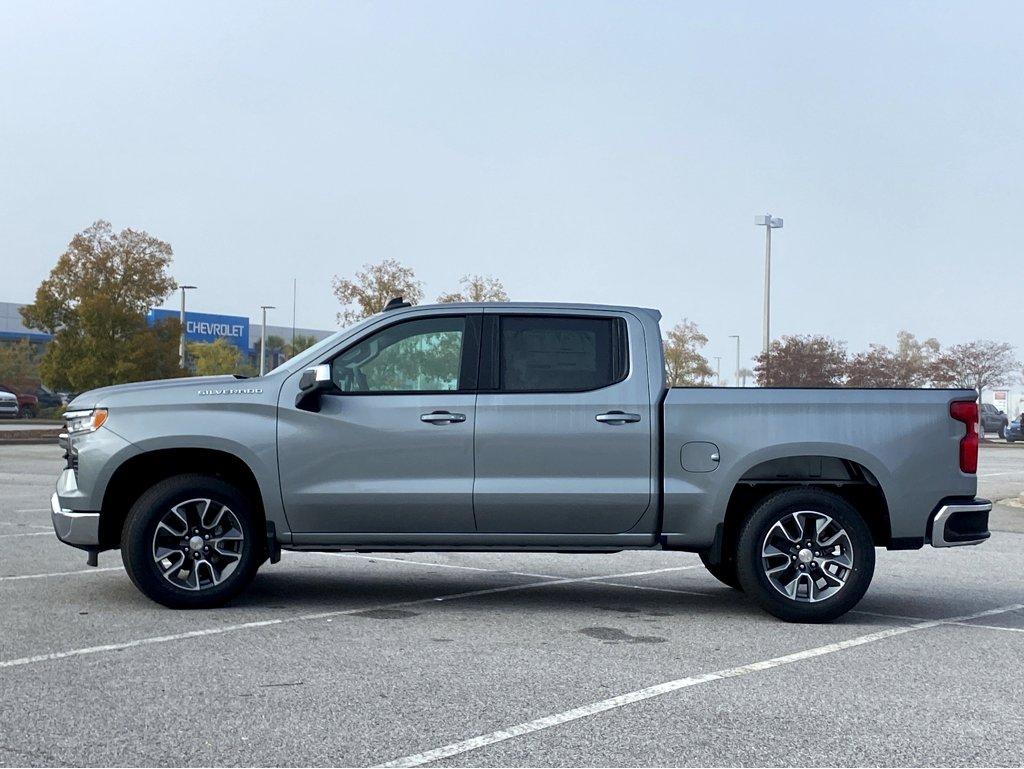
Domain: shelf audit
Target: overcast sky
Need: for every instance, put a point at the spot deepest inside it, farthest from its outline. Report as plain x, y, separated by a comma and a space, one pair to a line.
577, 151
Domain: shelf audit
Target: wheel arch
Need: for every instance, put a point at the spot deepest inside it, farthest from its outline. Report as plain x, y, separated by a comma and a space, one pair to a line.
141, 471
838, 472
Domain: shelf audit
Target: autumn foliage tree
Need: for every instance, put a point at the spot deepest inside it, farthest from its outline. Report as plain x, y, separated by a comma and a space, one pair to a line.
371, 288
802, 361
909, 366
874, 368
94, 304
684, 364
975, 365
476, 288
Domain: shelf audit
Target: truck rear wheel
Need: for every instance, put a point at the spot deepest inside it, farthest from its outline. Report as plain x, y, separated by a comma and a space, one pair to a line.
805, 555
724, 571
190, 542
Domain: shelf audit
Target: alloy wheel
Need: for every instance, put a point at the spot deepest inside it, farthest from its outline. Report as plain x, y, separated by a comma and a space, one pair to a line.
807, 556
198, 544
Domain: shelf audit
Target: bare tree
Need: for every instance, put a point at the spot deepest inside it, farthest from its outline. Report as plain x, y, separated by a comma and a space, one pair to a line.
372, 287
802, 361
476, 288
684, 365
975, 365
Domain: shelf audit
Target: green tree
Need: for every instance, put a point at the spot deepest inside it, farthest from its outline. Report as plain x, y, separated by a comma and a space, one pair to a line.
684, 365
219, 357
19, 364
302, 342
372, 287
802, 361
275, 343
94, 303
476, 288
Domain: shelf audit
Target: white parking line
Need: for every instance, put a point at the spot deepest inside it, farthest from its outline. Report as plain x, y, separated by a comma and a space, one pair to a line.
20, 661
29, 534
62, 573
989, 627
660, 589
902, 617
601, 706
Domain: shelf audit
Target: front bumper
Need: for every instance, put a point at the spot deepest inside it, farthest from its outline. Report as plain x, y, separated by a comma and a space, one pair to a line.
961, 523
73, 528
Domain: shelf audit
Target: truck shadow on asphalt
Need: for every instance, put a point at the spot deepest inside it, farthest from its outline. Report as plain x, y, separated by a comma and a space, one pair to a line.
404, 596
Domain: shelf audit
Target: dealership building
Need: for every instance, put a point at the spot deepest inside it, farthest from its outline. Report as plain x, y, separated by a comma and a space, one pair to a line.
199, 327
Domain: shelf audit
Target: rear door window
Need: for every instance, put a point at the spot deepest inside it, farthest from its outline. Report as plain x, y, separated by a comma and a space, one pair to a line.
559, 353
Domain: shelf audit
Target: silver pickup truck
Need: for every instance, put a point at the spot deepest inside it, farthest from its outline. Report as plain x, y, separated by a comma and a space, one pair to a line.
514, 427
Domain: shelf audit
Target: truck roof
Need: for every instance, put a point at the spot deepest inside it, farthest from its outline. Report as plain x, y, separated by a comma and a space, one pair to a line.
656, 314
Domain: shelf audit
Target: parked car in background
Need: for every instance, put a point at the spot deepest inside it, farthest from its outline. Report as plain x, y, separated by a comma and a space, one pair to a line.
993, 420
8, 405
1013, 432
47, 398
28, 404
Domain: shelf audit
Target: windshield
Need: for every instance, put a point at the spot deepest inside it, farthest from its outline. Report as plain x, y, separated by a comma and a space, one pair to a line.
313, 352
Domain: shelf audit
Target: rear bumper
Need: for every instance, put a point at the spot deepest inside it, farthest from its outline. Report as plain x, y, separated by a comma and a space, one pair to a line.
74, 528
960, 523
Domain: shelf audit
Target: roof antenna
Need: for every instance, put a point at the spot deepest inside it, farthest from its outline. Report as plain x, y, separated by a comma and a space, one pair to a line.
395, 303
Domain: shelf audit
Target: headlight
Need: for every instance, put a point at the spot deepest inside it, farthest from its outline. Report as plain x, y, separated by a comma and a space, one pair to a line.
85, 421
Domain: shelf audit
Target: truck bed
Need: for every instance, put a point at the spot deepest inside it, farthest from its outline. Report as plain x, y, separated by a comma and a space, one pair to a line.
902, 442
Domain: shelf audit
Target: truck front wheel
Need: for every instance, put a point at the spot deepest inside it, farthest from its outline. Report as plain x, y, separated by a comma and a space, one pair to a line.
805, 555
190, 542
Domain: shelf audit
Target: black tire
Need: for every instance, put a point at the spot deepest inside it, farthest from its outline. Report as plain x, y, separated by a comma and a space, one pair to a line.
1002, 431
752, 569
724, 571
140, 529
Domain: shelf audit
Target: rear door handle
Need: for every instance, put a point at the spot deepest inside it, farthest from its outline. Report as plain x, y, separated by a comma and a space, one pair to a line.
617, 418
442, 417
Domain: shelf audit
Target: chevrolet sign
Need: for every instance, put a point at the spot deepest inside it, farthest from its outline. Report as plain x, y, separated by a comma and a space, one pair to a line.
206, 327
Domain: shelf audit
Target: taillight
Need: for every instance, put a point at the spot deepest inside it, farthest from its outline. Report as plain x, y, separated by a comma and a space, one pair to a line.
967, 412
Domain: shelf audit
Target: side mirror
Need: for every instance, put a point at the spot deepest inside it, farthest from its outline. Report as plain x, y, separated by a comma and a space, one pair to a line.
312, 383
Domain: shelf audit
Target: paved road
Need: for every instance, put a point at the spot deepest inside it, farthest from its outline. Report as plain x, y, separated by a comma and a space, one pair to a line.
505, 659
11, 425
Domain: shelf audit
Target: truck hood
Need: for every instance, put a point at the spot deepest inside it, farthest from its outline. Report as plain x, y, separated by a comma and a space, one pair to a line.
138, 392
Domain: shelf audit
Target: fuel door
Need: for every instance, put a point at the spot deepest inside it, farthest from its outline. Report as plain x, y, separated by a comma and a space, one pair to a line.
699, 457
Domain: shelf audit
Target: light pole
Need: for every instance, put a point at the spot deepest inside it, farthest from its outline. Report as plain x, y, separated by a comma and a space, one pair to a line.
769, 222
181, 344
263, 338
718, 371
737, 338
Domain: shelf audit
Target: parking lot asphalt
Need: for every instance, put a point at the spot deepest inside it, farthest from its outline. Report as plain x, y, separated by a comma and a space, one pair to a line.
478, 659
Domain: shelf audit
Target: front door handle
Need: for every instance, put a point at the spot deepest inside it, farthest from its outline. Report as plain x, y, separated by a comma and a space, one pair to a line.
442, 417
617, 418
